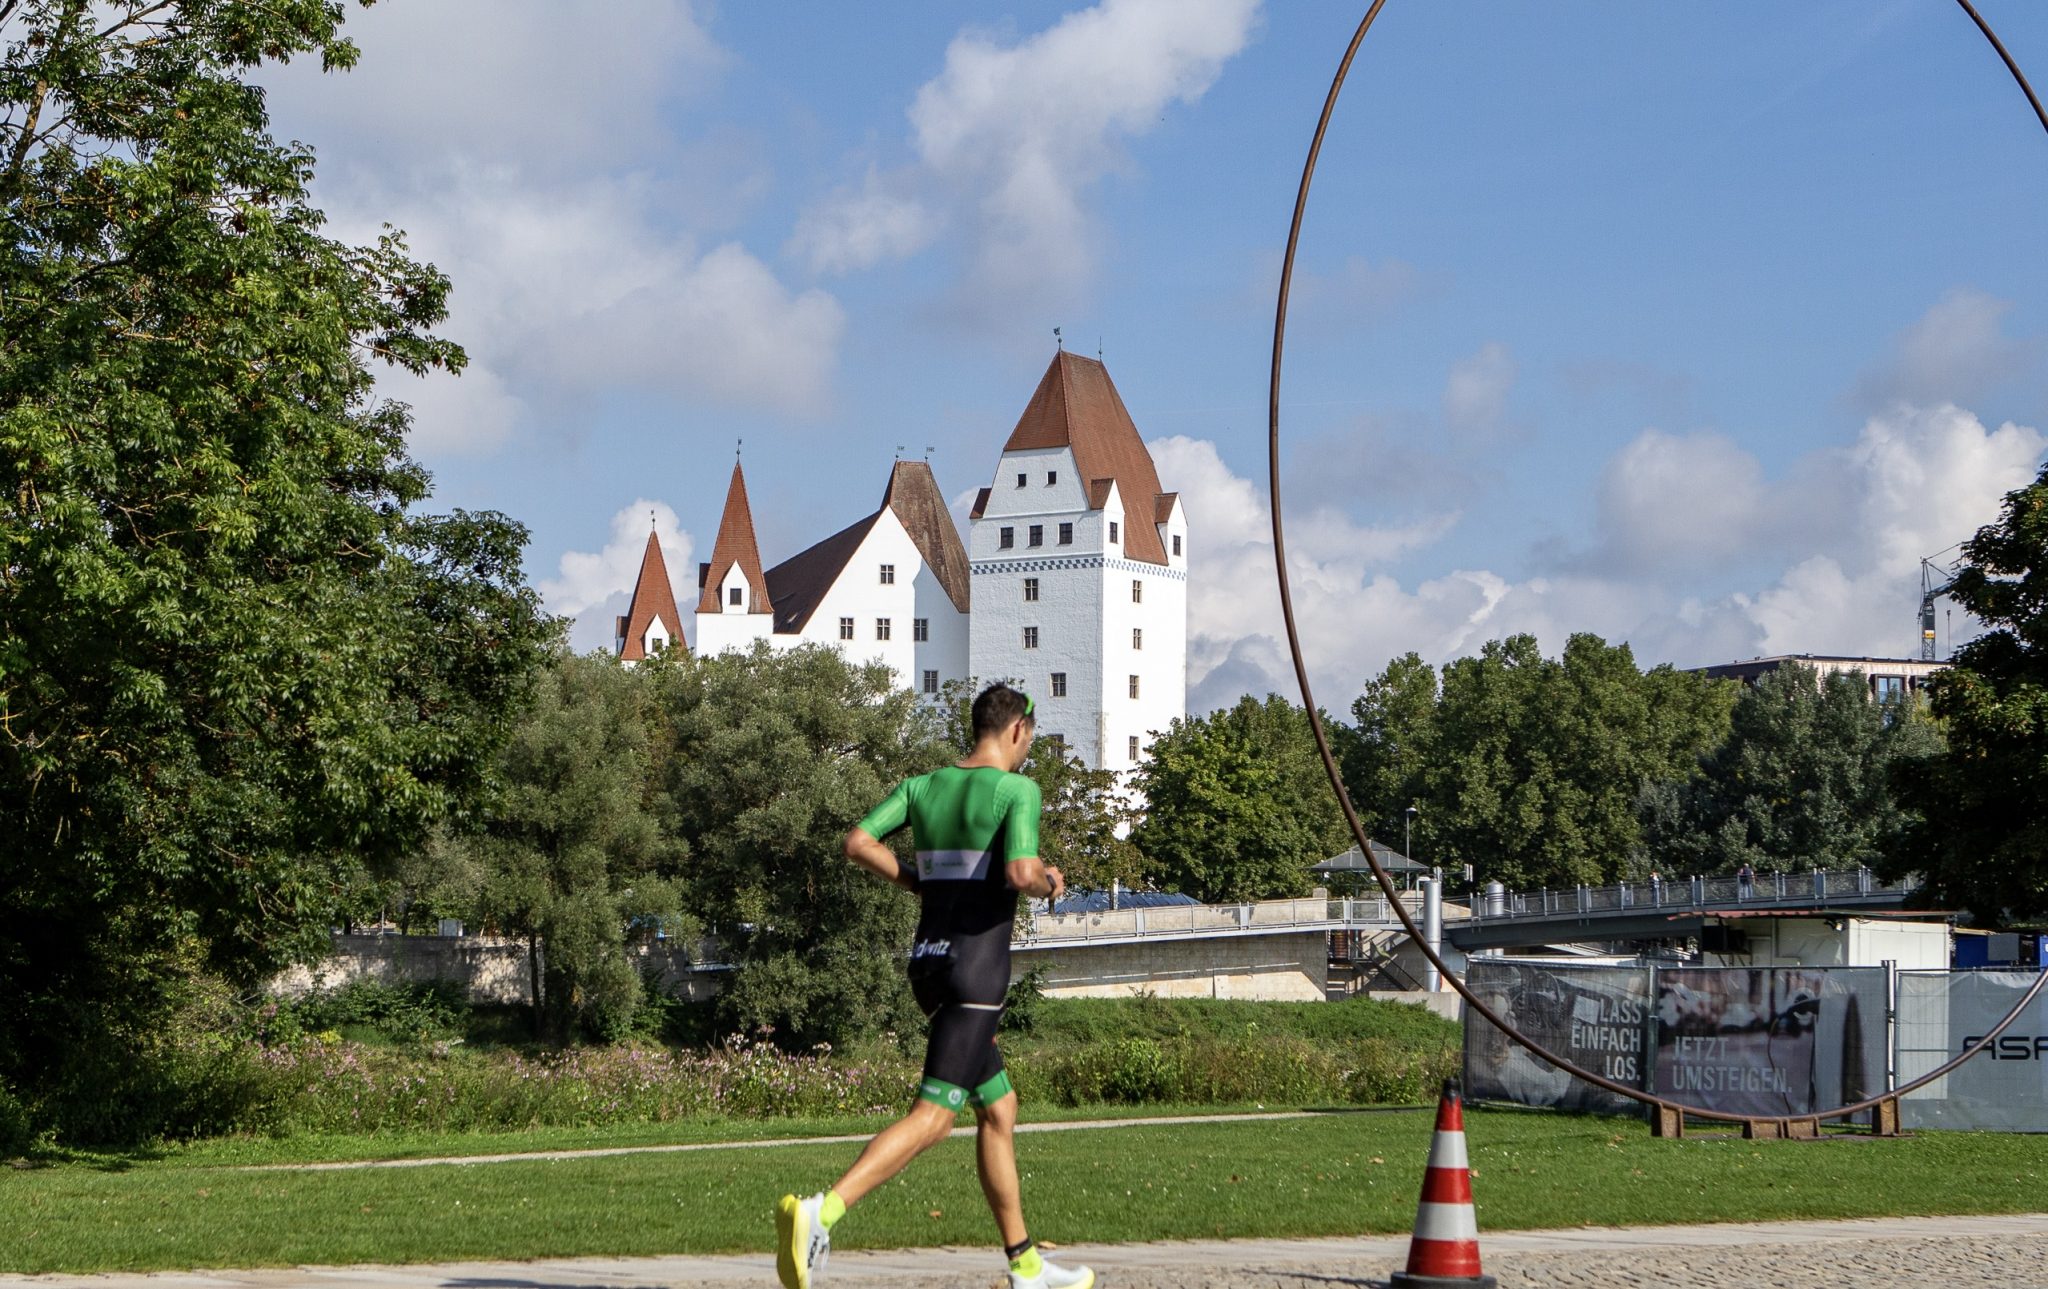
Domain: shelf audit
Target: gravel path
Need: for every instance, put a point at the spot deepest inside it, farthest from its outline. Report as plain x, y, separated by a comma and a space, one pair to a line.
2010, 1252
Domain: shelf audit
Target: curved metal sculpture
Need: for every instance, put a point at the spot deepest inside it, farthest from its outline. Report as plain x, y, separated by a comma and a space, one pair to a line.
1782, 1123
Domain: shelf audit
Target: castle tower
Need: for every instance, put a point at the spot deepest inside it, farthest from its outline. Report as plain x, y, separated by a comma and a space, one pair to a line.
1079, 562
650, 623
733, 608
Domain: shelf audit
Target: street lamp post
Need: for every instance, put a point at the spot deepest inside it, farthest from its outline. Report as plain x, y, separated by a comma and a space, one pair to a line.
1407, 829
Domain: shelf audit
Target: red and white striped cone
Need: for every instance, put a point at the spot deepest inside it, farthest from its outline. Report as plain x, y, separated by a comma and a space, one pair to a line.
1445, 1251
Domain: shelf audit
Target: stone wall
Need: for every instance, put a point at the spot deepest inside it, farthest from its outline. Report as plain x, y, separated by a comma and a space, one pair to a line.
1271, 968
492, 970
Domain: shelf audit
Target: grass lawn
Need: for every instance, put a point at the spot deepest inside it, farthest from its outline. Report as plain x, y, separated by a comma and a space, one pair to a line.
1345, 1173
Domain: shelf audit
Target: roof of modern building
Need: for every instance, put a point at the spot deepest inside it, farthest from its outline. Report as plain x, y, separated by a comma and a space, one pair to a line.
1351, 861
653, 598
735, 545
1099, 901
1076, 406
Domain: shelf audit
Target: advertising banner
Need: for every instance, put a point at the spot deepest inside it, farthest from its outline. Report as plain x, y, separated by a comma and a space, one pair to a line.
1769, 1040
1596, 1017
2003, 1088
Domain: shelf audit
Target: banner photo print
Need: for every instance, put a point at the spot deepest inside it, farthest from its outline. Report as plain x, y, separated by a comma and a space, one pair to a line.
1769, 1040
1595, 1016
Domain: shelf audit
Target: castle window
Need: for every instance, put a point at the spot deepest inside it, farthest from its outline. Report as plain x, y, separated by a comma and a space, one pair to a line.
1176, 543
1037, 535
931, 682
1137, 591
1137, 637
1006, 538
1031, 637
846, 628
732, 597
1051, 477
1021, 478
1134, 686
1134, 747
1066, 534
1059, 684
888, 575
920, 629
1112, 532
881, 628
1030, 589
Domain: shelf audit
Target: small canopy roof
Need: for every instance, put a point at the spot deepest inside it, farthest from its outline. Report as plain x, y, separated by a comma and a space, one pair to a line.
1353, 862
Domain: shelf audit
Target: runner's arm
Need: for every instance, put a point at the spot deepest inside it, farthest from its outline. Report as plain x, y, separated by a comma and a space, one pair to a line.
1041, 881
1022, 868
879, 859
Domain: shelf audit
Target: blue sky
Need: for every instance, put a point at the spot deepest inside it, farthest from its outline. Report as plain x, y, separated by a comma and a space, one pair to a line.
1694, 326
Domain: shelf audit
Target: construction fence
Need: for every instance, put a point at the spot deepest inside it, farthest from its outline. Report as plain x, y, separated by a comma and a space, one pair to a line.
1761, 1040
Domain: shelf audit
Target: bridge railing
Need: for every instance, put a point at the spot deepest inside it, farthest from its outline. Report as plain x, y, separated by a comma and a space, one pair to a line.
1763, 890
1216, 919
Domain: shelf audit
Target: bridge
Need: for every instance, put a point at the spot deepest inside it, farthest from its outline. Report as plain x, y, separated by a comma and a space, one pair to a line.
1681, 907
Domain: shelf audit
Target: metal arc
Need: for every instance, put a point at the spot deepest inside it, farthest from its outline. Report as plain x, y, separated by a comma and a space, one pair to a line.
1322, 736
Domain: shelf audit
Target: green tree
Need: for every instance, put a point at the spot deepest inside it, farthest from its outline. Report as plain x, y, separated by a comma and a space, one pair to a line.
1237, 805
236, 663
578, 859
777, 754
1982, 835
1527, 768
1802, 781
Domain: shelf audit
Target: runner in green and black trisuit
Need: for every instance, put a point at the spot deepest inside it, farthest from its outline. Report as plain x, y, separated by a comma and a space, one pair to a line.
975, 828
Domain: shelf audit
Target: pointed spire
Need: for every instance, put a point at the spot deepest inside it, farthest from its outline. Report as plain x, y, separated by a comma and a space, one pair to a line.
735, 546
913, 493
654, 600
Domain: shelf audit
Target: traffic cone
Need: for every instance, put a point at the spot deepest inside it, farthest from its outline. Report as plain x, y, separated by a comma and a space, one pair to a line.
1445, 1251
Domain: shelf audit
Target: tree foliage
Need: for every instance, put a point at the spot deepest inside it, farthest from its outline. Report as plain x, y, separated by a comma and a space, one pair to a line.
1528, 768
1237, 804
236, 663
579, 855
1802, 781
1982, 837
777, 754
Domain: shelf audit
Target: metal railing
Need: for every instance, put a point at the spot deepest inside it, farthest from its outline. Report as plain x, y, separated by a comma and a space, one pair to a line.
1764, 890
1191, 920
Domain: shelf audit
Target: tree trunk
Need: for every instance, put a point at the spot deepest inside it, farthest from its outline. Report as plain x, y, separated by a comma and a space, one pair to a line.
533, 972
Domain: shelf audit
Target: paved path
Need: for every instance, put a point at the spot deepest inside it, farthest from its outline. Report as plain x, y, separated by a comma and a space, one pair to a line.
2010, 1252
762, 1143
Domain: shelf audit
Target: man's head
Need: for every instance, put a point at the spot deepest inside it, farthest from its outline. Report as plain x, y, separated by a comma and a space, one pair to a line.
1004, 715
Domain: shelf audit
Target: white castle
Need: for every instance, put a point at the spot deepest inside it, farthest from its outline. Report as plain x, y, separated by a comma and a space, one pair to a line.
1072, 584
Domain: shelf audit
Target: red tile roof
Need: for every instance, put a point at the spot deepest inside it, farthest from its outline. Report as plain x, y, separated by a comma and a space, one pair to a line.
1077, 407
735, 545
913, 493
653, 598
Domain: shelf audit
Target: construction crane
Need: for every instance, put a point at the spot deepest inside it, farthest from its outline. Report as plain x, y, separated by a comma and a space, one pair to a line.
1935, 580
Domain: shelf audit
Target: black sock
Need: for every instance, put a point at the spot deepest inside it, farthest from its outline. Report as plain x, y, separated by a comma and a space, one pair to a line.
1017, 1250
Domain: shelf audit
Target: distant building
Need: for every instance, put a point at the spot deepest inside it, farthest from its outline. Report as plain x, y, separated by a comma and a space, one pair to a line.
1890, 679
1081, 571
650, 623
891, 587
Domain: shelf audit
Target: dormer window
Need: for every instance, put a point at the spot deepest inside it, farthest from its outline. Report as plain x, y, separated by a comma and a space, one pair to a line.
1022, 479
1176, 543
1051, 477
732, 596
1112, 532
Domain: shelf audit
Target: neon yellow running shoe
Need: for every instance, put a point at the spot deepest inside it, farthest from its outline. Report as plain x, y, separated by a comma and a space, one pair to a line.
801, 1241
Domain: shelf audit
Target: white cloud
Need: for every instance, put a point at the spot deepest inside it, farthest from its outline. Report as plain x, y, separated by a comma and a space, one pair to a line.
532, 153
593, 587
1833, 553
1011, 136
470, 414
1476, 392
1955, 352
857, 228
